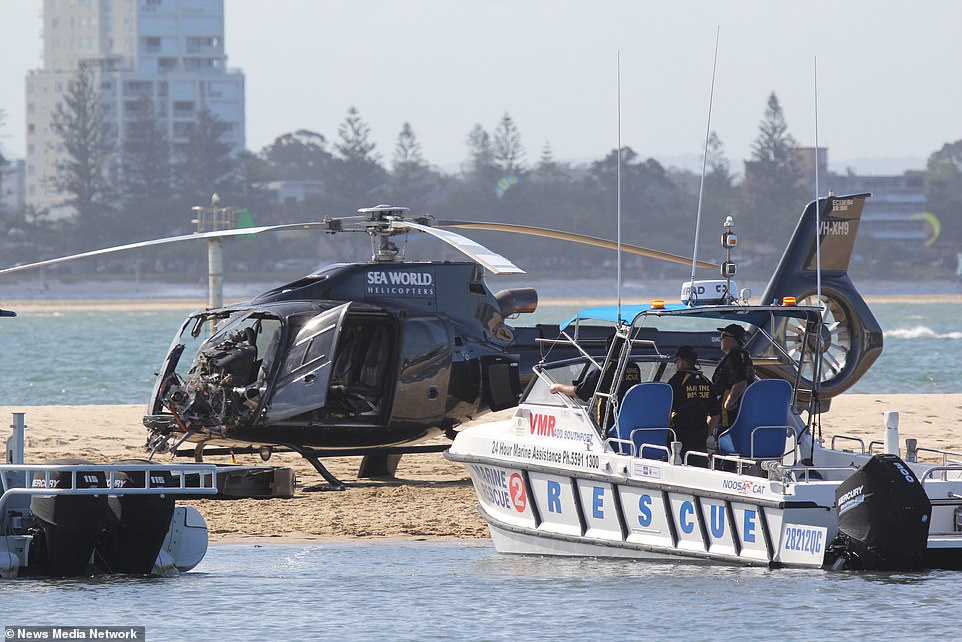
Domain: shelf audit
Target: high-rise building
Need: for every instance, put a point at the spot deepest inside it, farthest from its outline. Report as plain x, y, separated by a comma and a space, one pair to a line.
169, 51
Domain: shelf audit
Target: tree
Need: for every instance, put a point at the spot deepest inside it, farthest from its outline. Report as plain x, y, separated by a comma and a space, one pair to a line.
774, 188
507, 148
148, 170
719, 169
480, 168
87, 142
943, 190
205, 165
411, 177
548, 170
299, 155
357, 173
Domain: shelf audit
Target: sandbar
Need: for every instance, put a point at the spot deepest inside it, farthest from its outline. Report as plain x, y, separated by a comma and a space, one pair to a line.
431, 498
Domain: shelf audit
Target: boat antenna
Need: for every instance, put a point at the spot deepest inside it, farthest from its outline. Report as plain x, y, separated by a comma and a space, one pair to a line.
618, 189
818, 244
817, 353
704, 166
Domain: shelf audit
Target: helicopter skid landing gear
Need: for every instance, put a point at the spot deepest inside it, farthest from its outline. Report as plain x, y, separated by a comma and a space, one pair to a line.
333, 482
378, 465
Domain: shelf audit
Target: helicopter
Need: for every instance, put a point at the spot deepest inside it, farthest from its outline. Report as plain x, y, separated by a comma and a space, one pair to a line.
373, 358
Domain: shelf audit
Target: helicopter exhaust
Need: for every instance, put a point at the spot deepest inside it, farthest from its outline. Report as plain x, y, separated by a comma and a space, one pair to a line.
517, 301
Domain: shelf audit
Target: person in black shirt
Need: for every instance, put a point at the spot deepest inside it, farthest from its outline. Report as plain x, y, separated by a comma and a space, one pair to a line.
691, 401
732, 376
586, 385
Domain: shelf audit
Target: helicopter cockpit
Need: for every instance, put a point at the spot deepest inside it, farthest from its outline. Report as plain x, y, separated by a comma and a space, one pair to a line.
295, 365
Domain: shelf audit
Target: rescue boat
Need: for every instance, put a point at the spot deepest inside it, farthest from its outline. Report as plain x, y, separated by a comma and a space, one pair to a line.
561, 478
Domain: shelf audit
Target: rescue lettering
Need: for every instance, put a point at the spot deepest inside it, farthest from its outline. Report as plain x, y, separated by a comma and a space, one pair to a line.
644, 511
686, 514
598, 502
554, 497
717, 521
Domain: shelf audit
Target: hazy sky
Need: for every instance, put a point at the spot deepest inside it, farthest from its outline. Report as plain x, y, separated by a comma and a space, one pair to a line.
889, 83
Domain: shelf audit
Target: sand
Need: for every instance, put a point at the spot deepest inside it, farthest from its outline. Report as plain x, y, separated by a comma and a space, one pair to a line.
431, 498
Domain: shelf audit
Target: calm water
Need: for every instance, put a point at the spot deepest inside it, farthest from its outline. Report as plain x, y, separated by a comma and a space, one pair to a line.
111, 357
443, 591
454, 591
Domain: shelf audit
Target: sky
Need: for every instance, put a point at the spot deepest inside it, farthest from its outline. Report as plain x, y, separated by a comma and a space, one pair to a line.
887, 74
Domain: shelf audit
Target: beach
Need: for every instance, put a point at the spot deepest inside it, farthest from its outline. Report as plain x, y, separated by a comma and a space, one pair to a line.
431, 498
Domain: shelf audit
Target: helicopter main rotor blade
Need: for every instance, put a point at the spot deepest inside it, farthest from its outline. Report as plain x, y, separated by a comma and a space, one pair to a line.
171, 239
574, 238
492, 261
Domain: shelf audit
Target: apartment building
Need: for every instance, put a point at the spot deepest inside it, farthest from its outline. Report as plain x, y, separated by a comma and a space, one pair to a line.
170, 51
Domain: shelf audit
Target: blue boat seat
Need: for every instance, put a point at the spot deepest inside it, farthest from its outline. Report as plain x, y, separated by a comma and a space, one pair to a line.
643, 419
761, 427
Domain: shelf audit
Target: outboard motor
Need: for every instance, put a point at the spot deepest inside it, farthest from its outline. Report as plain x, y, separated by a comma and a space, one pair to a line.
136, 525
883, 517
69, 525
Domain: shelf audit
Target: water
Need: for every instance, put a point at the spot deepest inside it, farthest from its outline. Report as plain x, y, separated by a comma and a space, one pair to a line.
93, 357
443, 591
457, 591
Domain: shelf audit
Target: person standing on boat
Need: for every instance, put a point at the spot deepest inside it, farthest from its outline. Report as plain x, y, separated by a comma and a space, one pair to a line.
691, 401
732, 376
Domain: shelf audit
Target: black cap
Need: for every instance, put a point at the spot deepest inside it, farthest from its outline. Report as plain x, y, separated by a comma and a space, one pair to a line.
737, 331
688, 354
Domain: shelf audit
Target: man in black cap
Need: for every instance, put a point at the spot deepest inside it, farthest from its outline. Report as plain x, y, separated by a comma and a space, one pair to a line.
732, 376
691, 401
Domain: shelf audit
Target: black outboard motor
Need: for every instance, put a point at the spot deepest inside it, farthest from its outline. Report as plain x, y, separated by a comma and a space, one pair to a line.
136, 525
883, 517
69, 524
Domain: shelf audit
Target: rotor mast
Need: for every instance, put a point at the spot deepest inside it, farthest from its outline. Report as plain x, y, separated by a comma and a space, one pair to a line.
379, 219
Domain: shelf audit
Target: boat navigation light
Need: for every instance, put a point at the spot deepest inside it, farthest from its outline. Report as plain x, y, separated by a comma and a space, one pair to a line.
789, 300
745, 294
658, 304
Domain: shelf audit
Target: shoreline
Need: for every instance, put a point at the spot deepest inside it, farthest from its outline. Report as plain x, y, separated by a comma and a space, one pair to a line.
431, 499
188, 304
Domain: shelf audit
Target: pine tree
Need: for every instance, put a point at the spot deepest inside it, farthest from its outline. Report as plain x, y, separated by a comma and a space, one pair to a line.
507, 148
548, 170
87, 142
411, 177
205, 165
357, 173
479, 168
774, 190
148, 170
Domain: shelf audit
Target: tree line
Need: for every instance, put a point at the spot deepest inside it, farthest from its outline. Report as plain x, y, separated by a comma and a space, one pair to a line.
145, 186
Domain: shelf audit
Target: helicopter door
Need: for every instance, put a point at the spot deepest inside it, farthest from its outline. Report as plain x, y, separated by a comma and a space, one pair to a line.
306, 372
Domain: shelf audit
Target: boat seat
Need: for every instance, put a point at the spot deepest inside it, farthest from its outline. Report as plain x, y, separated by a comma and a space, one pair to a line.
761, 427
641, 427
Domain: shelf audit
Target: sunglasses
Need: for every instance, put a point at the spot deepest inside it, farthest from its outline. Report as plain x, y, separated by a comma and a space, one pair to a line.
725, 334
